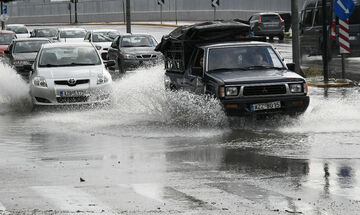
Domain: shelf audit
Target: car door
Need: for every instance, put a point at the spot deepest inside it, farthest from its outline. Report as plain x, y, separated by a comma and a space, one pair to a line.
194, 79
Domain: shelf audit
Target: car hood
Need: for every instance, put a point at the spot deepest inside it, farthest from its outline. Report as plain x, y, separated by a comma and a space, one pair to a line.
254, 76
139, 50
25, 56
27, 35
3, 47
70, 72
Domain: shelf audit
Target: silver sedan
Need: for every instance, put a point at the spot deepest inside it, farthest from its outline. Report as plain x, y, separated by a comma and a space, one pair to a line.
69, 73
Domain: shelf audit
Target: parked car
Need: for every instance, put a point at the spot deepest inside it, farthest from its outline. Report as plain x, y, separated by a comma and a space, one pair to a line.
49, 33
71, 35
218, 59
6, 37
22, 52
69, 73
133, 50
20, 30
102, 40
267, 24
311, 37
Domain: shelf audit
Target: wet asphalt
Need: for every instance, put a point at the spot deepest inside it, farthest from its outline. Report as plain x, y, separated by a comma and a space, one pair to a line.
141, 155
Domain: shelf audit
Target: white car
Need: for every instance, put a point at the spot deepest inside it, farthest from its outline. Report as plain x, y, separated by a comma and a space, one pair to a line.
71, 35
102, 39
69, 73
20, 30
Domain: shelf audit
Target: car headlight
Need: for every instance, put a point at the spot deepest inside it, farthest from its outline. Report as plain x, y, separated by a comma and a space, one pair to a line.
296, 88
39, 81
129, 56
231, 91
102, 79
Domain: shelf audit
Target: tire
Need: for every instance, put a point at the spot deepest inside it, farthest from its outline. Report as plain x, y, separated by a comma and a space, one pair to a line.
120, 66
281, 37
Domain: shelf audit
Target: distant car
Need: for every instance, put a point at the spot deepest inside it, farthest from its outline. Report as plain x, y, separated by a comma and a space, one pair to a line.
102, 40
20, 30
6, 37
267, 24
71, 35
49, 33
133, 50
69, 73
22, 52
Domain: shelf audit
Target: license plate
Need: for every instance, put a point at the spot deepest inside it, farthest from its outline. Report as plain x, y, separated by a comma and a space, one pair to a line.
352, 38
265, 106
72, 93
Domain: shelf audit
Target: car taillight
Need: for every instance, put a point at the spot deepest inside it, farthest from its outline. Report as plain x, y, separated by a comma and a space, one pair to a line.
259, 21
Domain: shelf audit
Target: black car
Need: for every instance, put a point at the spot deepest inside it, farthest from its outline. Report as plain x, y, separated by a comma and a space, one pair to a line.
49, 33
248, 77
133, 50
267, 24
22, 53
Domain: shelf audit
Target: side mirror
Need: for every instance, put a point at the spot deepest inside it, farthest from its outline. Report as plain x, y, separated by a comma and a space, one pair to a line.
291, 66
7, 51
109, 63
113, 45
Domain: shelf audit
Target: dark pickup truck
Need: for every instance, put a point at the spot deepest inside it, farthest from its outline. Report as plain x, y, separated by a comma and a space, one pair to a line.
218, 58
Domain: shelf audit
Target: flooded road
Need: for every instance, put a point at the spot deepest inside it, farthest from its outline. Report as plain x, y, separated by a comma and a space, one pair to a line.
158, 152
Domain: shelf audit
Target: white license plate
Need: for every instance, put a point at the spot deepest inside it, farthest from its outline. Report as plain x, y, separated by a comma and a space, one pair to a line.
352, 38
265, 106
74, 93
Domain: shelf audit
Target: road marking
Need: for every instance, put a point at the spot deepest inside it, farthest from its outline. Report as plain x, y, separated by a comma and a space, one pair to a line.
71, 199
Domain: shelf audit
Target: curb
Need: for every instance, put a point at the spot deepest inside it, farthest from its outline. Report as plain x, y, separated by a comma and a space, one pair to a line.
334, 83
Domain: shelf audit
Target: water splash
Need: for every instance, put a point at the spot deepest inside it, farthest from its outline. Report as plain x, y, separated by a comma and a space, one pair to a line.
14, 91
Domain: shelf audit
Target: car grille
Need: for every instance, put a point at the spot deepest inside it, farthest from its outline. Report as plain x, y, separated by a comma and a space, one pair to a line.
264, 90
144, 56
65, 82
72, 99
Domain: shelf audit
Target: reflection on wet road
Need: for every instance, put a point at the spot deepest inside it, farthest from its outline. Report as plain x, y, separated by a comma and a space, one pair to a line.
151, 152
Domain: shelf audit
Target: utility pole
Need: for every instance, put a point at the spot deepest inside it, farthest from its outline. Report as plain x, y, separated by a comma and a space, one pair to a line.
70, 12
128, 17
325, 42
295, 35
2, 22
76, 15
176, 18
124, 11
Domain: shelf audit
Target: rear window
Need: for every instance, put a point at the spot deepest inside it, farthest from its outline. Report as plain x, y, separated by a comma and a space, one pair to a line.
28, 46
72, 34
270, 18
17, 29
5, 39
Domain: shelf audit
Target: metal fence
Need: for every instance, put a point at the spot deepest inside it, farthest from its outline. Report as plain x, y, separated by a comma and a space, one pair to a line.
45, 11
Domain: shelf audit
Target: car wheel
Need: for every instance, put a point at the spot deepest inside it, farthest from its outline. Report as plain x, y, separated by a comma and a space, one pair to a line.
281, 37
120, 66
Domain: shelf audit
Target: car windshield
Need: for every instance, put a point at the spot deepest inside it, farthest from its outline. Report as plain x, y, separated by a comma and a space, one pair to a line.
72, 34
138, 41
68, 56
5, 39
28, 46
45, 32
17, 29
243, 58
101, 37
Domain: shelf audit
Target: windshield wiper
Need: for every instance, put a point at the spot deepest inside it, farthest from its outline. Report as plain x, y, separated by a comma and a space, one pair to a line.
263, 67
79, 64
225, 69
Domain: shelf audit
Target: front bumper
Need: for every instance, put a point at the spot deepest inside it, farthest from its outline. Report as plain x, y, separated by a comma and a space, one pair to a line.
66, 95
290, 105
